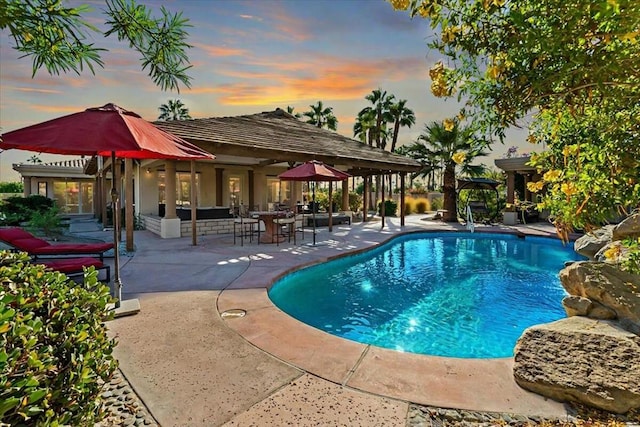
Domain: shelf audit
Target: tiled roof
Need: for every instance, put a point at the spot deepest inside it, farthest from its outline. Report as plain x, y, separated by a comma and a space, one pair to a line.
277, 135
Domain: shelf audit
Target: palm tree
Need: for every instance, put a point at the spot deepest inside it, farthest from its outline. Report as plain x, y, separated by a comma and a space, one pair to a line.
402, 116
321, 116
174, 109
290, 111
380, 109
443, 143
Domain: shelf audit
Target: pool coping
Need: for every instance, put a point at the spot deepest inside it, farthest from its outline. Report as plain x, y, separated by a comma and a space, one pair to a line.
471, 384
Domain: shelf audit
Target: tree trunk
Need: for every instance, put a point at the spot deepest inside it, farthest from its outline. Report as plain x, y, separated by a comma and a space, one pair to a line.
449, 190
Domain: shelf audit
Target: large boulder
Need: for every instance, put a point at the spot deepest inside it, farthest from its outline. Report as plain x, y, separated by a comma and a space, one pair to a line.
629, 227
589, 244
592, 362
608, 286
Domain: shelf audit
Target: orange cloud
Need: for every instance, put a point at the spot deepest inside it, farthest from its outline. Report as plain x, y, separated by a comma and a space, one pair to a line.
36, 90
220, 51
325, 78
57, 109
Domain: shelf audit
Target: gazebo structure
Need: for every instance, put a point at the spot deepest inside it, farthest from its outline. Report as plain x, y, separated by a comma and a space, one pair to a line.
518, 166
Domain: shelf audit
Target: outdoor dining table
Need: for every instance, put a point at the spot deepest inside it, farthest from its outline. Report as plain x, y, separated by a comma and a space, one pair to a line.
270, 234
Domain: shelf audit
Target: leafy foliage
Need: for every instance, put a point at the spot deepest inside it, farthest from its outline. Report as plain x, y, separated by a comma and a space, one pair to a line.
390, 208
56, 37
574, 64
54, 348
15, 210
11, 187
48, 221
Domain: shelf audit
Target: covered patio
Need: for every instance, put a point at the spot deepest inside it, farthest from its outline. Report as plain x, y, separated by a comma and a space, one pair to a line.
250, 152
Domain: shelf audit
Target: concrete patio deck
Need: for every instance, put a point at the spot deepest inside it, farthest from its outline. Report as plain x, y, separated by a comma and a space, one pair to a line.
193, 365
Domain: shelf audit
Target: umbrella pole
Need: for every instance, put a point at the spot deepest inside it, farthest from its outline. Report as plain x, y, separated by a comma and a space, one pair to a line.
313, 211
117, 284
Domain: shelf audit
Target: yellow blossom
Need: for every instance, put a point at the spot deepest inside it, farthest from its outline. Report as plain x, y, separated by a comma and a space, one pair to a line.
459, 157
568, 188
449, 34
531, 139
534, 187
493, 72
551, 176
399, 4
436, 71
460, 116
449, 124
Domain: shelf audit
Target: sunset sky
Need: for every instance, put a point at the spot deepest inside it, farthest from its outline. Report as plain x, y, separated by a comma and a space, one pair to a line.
247, 57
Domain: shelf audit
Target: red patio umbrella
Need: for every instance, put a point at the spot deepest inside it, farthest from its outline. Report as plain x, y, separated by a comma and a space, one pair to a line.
104, 131
314, 171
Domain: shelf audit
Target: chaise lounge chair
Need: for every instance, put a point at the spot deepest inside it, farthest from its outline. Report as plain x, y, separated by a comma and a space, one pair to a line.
75, 266
24, 241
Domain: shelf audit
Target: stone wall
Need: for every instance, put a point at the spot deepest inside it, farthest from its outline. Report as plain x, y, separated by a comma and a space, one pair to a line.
203, 226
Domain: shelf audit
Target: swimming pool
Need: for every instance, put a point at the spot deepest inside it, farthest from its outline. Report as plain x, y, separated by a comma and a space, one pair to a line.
446, 294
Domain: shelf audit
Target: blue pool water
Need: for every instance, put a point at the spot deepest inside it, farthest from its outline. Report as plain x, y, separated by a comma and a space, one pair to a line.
444, 294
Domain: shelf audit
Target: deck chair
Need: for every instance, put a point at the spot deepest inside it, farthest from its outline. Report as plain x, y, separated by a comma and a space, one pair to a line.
21, 240
73, 267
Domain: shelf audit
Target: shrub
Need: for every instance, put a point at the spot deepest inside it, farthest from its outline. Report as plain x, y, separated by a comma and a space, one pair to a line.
15, 210
390, 208
408, 206
437, 203
422, 205
355, 200
48, 222
54, 348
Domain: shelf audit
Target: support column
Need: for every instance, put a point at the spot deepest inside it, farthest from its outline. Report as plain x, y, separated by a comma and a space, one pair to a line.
117, 184
128, 191
252, 199
382, 202
97, 197
402, 198
511, 186
26, 181
103, 196
365, 199
345, 195
170, 224
219, 187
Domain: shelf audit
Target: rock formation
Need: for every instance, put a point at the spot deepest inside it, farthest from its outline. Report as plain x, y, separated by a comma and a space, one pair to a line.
590, 361
592, 357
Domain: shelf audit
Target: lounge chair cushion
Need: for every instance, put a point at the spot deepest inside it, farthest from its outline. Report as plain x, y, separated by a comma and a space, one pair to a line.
75, 266
27, 242
71, 265
30, 245
11, 234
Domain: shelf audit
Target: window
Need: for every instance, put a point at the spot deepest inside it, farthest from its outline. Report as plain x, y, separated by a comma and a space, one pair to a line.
42, 188
278, 191
72, 196
183, 188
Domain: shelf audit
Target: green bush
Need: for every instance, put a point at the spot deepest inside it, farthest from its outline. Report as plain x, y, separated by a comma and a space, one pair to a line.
11, 187
390, 208
437, 203
15, 210
54, 349
355, 200
47, 222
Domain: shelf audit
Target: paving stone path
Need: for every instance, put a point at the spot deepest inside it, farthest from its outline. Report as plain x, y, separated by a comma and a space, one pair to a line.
123, 406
